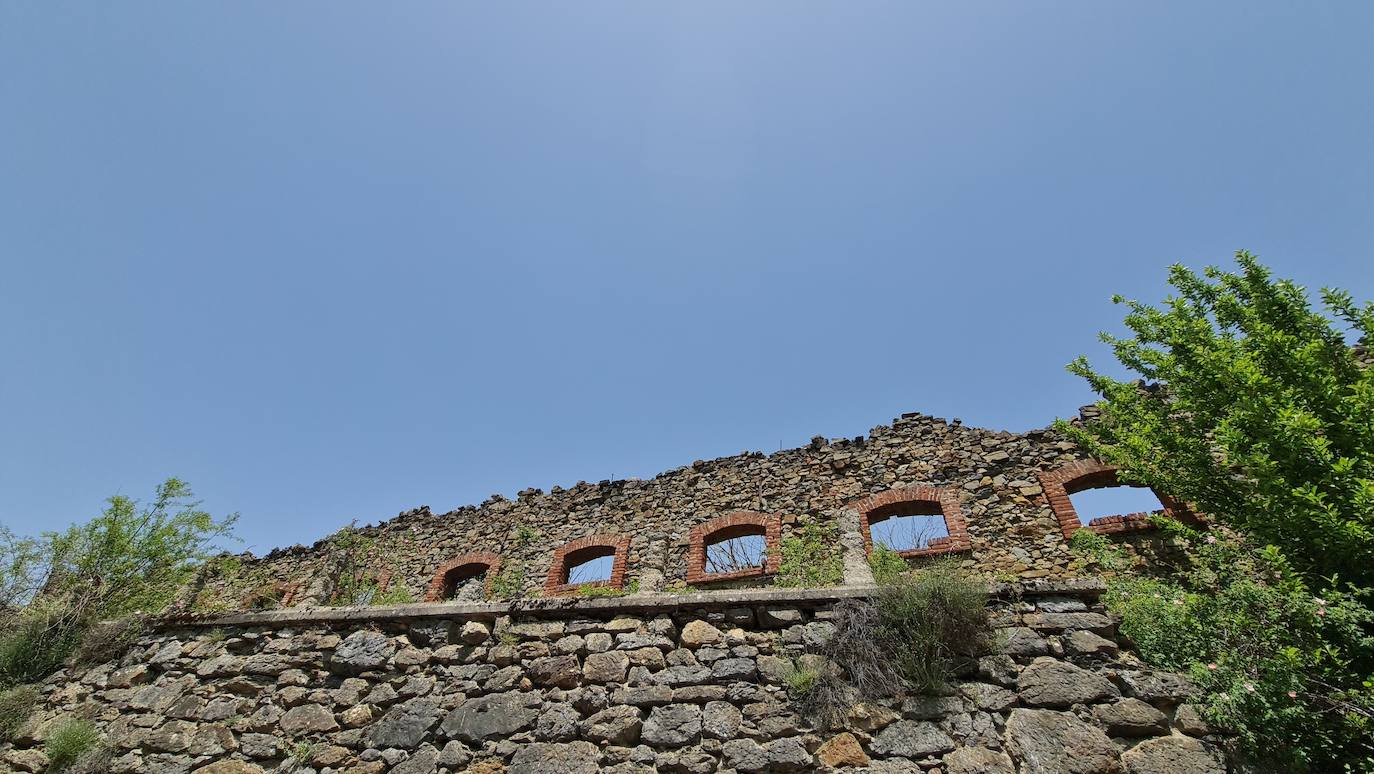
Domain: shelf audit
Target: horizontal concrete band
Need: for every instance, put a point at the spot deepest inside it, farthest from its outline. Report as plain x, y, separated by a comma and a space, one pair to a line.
571, 607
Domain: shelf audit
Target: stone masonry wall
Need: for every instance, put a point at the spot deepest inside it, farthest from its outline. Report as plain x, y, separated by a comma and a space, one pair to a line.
992, 478
687, 684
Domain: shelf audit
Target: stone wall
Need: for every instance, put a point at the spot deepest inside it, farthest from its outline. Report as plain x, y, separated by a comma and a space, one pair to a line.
686, 684
991, 479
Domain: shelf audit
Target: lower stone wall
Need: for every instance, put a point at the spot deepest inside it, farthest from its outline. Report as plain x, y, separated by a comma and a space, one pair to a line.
681, 685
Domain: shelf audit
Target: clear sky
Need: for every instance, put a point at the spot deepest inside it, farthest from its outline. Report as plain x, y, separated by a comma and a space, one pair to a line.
330, 261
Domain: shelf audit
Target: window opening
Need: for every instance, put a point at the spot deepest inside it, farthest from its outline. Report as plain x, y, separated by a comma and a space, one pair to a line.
907, 532
1094, 504
736, 553
596, 568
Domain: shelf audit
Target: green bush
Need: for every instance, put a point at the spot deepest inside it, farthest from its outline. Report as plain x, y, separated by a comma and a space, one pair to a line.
1264, 650
510, 582
16, 705
887, 565
906, 638
109, 640
398, 594
69, 741
810, 558
35, 641
130, 560
934, 616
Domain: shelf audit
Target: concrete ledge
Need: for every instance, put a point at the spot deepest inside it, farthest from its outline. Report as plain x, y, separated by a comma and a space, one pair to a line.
570, 607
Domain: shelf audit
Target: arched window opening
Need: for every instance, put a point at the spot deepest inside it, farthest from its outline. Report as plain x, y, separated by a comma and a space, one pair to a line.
733, 547
909, 532
1097, 505
1089, 495
914, 521
737, 553
466, 584
594, 560
591, 567
465, 578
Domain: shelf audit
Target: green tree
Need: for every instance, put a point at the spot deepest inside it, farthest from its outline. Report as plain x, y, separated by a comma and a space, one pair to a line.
1262, 417
131, 559
1255, 409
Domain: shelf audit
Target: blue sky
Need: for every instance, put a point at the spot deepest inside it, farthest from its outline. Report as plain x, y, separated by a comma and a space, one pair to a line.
333, 261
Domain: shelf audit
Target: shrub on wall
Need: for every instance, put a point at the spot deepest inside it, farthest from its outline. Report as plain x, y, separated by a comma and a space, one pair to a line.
510, 582
36, 640
108, 640
226, 586
810, 557
1267, 654
16, 704
907, 638
932, 616
68, 741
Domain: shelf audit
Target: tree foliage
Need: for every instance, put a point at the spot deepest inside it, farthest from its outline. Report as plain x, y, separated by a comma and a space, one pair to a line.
1253, 408
133, 558
1264, 417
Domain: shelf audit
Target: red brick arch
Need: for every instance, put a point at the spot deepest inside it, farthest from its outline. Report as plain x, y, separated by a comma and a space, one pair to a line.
575, 552
1091, 474
729, 526
457, 565
916, 500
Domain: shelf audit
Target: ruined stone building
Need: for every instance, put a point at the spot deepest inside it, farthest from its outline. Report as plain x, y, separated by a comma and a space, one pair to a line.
478, 640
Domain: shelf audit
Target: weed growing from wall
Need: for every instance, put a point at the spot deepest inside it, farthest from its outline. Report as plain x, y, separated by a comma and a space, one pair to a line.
226, 587
597, 592
905, 639
16, 705
1095, 551
525, 535
811, 557
69, 741
801, 680
887, 565
395, 595
510, 582
302, 752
